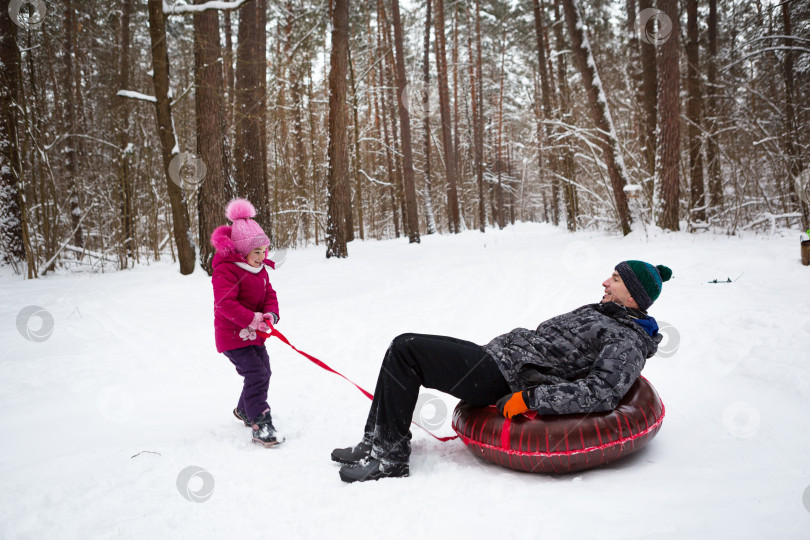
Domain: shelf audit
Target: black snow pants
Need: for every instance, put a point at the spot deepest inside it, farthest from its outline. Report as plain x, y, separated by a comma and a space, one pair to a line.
457, 367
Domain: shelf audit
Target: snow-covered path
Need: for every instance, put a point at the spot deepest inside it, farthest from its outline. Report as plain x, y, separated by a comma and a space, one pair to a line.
99, 420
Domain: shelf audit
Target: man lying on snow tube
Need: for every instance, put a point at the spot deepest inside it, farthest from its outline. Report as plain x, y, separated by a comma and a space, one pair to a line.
584, 361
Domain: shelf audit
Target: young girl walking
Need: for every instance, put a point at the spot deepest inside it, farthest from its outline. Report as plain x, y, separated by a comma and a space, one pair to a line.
244, 302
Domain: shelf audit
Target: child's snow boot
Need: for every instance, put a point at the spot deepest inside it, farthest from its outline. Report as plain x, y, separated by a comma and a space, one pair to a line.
264, 433
240, 415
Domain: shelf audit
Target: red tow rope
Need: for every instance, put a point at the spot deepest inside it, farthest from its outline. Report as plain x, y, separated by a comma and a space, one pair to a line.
323, 365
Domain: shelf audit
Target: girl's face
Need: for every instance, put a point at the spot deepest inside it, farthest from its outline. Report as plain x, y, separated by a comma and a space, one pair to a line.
255, 257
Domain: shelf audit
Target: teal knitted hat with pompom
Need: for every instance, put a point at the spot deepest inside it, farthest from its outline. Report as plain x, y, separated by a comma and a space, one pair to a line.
643, 280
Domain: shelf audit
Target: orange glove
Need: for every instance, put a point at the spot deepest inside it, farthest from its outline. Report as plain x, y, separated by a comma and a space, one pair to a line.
512, 404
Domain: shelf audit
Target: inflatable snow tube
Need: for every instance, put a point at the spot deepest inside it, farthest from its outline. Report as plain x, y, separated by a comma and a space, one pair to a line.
562, 443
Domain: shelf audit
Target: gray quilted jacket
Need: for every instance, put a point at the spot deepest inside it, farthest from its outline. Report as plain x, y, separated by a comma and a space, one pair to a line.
578, 362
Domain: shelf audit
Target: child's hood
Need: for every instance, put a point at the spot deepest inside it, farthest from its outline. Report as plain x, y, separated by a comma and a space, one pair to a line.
226, 251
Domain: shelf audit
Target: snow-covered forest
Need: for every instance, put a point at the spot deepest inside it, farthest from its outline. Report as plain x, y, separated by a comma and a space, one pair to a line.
457, 168
128, 125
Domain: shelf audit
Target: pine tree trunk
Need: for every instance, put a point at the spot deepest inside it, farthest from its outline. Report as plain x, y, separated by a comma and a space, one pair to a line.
71, 125
227, 72
168, 140
712, 150
37, 192
411, 217
283, 172
499, 144
454, 60
12, 243
349, 191
249, 115
389, 160
300, 158
261, 72
667, 160
634, 69
567, 167
397, 191
316, 176
545, 161
214, 189
694, 112
599, 111
648, 95
795, 165
337, 151
357, 164
125, 185
430, 218
388, 101
476, 84
444, 108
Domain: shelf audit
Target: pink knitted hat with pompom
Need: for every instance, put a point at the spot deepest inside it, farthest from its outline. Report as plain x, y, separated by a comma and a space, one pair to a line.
246, 234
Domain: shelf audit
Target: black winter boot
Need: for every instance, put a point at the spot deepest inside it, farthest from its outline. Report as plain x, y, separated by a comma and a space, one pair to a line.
264, 433
351, 455
372, 469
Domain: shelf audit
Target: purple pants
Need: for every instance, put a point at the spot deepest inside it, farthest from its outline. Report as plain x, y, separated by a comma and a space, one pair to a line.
253, 364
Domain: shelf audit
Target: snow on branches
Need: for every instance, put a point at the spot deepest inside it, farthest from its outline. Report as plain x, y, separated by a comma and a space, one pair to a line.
181, 8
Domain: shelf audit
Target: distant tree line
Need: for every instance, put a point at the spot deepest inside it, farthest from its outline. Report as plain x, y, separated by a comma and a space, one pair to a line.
128, 125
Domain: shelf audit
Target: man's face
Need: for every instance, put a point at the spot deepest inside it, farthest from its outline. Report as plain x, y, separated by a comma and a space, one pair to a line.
255, 257
616, 291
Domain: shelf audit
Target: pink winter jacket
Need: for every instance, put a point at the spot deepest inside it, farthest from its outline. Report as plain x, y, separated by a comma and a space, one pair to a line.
238, 293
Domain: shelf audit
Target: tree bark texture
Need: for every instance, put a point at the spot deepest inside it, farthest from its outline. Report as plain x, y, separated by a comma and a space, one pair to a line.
444, 109
694, 113
12, 243
712, 150
667, 160
71, 157
337, 151
648, 93
476, 84
545, 161
124, 108
567, 165
430, 218
412, 215
168, 141
214, 190
795, 164
599, 111
249, 114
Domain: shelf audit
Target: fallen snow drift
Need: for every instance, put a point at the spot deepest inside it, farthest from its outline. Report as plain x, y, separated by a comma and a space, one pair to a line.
101, 419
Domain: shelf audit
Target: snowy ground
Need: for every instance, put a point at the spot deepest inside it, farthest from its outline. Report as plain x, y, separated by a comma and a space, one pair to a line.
100, 419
